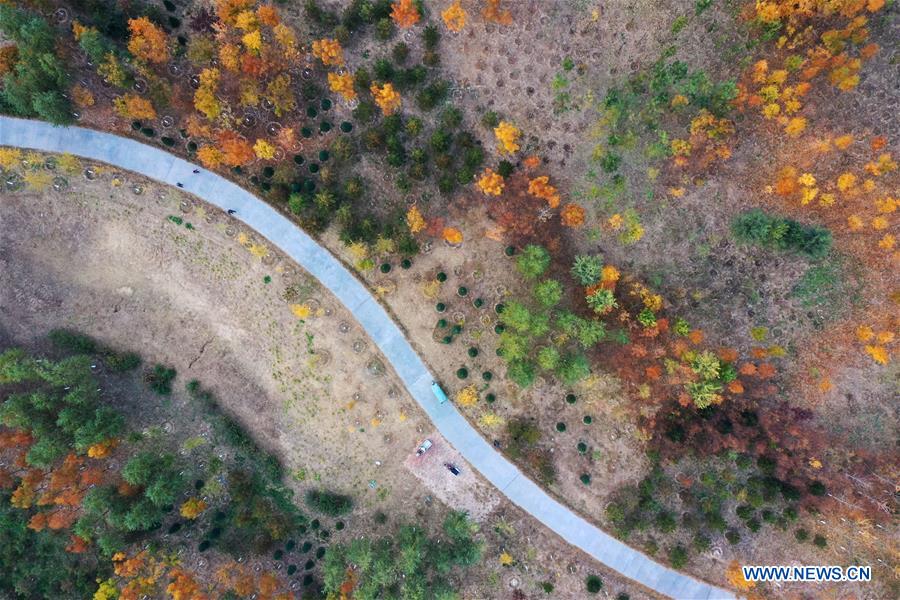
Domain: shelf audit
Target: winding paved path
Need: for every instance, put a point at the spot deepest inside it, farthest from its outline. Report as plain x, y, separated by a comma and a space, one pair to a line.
164, 167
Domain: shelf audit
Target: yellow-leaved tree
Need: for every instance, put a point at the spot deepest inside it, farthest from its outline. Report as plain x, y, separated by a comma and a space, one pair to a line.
507, 137
132, 106
414, 220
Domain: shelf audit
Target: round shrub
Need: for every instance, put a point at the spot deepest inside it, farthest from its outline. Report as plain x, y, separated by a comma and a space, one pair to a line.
817, 488
560, 427
678, 556
462, 372
593, 584
585, 479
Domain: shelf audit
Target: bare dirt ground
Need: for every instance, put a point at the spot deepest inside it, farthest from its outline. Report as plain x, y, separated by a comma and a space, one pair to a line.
108, 261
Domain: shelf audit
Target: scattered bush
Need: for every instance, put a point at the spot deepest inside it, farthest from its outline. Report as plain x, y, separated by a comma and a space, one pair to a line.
119, 362
72, 341
159, 379
533, 261
770, 231
329, 503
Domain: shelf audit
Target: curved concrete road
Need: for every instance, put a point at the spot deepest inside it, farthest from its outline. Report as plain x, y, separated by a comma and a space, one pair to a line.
164, 167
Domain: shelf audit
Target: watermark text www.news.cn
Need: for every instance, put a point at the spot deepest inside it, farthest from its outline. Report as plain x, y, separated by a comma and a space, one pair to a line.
807, 573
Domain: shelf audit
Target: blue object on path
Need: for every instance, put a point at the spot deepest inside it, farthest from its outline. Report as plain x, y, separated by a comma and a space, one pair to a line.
438, 392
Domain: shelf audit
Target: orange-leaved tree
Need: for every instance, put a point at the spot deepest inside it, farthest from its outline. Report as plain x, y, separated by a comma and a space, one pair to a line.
342, 84
493, 12
572, 215
490, 183
405, 13
147, 42
228, 10
540, 187
454, 17
452, 236
210, 156
386, 97
236, 151
329, 51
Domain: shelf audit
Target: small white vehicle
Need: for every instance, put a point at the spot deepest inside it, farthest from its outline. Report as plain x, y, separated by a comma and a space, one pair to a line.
423, 448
